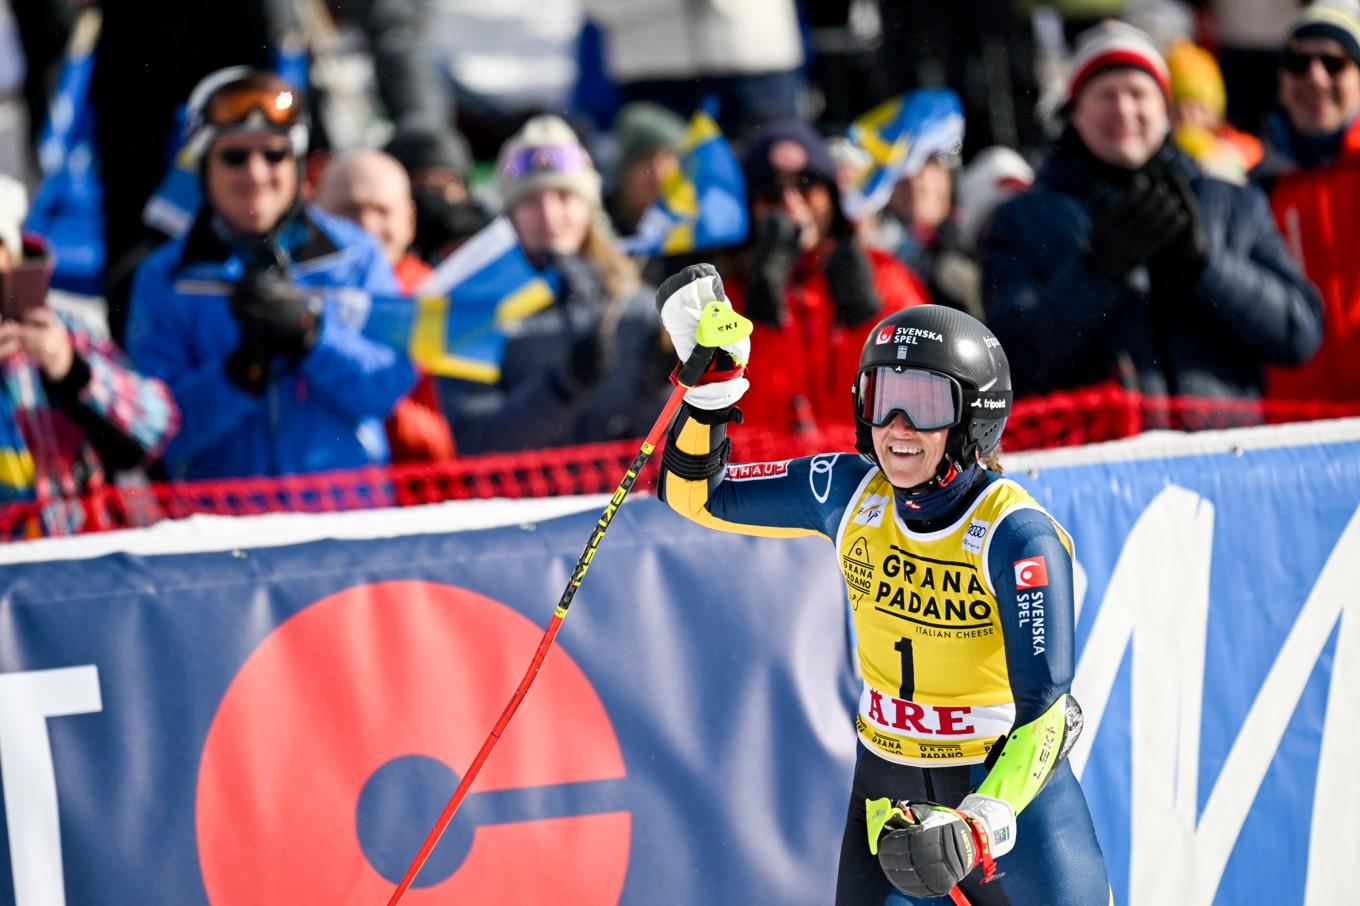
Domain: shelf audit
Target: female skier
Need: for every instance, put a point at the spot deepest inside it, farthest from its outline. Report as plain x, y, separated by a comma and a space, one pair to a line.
960, 587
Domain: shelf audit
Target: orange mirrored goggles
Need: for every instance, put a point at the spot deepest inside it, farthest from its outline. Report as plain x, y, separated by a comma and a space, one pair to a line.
277, 101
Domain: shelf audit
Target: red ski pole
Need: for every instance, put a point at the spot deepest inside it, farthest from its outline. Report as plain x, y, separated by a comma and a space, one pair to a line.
718, 325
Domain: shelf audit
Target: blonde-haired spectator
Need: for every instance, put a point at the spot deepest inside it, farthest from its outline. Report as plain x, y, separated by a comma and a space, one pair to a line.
591, 366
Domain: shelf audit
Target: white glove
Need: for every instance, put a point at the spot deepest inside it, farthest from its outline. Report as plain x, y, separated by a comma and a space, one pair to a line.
997, 816
682, 298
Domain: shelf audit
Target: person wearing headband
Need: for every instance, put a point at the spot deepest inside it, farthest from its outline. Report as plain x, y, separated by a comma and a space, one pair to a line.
590, 366
960, 590
271, 371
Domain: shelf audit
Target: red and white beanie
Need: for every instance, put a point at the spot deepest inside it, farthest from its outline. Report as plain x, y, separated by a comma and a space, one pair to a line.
1112, 45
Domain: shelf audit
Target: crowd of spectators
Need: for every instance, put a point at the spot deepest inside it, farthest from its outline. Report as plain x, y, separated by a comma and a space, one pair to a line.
1129, 205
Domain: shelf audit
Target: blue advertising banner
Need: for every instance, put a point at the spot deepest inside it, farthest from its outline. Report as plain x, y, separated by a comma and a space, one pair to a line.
282, 724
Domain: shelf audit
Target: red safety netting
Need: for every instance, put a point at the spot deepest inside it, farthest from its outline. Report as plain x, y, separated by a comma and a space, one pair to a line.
1062, 419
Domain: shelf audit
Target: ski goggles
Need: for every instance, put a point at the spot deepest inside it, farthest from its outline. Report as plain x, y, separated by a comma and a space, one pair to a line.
545, 158
929, 400
265, 93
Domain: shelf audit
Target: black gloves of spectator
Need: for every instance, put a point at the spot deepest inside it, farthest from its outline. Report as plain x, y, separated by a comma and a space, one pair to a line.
1155, 220
1182, 260
774, 250
1129, 227
850, 277
276, 319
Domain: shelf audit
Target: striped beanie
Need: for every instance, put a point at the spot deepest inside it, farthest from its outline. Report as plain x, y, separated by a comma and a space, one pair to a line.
1114, 45
1338, 20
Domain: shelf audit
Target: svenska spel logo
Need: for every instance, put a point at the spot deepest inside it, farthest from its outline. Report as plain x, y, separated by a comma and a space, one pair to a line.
1032, 572
884, 336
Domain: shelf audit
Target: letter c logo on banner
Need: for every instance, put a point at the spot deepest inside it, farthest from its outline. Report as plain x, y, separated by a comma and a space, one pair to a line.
310, 785
1031, 572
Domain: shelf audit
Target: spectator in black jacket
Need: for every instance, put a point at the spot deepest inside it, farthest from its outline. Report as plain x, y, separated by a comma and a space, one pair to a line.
1126, 262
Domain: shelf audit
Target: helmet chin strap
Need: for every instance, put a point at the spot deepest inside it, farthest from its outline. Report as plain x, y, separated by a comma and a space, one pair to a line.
945, 473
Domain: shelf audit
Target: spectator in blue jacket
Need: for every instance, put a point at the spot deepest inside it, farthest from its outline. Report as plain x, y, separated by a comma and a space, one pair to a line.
1125, 262
272, 376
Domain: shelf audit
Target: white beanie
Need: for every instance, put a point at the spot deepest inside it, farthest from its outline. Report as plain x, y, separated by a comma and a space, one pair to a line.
546, 153
13, 210
994, 176
1113, 44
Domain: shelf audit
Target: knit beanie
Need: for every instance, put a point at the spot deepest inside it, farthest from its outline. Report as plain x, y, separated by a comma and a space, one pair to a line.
1338, 20
787, 148
642, 127
420, 146
545, 153
1114, 45
994, 176
1195, 76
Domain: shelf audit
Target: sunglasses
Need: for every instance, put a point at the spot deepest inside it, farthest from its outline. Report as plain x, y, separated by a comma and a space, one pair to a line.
265, 93
1297, 63
237, 157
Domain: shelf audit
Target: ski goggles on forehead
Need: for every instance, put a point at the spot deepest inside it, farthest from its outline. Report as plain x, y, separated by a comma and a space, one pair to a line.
276, 101
930, 401
546, 158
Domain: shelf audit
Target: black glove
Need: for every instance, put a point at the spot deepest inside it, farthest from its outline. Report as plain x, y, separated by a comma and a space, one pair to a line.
927, 857
850, 278
774, 250
276, 319
1130, 227
1183, 258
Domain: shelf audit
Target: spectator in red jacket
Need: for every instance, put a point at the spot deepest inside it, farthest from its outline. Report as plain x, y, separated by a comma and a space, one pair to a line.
1312, 172
810, 285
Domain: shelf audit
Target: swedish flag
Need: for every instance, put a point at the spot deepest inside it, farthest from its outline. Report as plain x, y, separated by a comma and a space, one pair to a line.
454, 325
703, 201
897, 138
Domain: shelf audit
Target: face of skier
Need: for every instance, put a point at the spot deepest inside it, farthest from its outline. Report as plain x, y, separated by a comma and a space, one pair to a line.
908, 457
250, 179
1121, 117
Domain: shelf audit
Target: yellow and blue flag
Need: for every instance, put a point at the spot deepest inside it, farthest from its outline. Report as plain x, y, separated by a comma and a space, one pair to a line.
897, 138
454, 325
703, 201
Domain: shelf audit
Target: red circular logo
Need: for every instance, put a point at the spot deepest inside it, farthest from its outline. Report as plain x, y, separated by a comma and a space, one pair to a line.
383, 672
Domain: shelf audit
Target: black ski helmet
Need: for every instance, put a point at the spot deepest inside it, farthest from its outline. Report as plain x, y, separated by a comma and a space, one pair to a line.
953, 344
